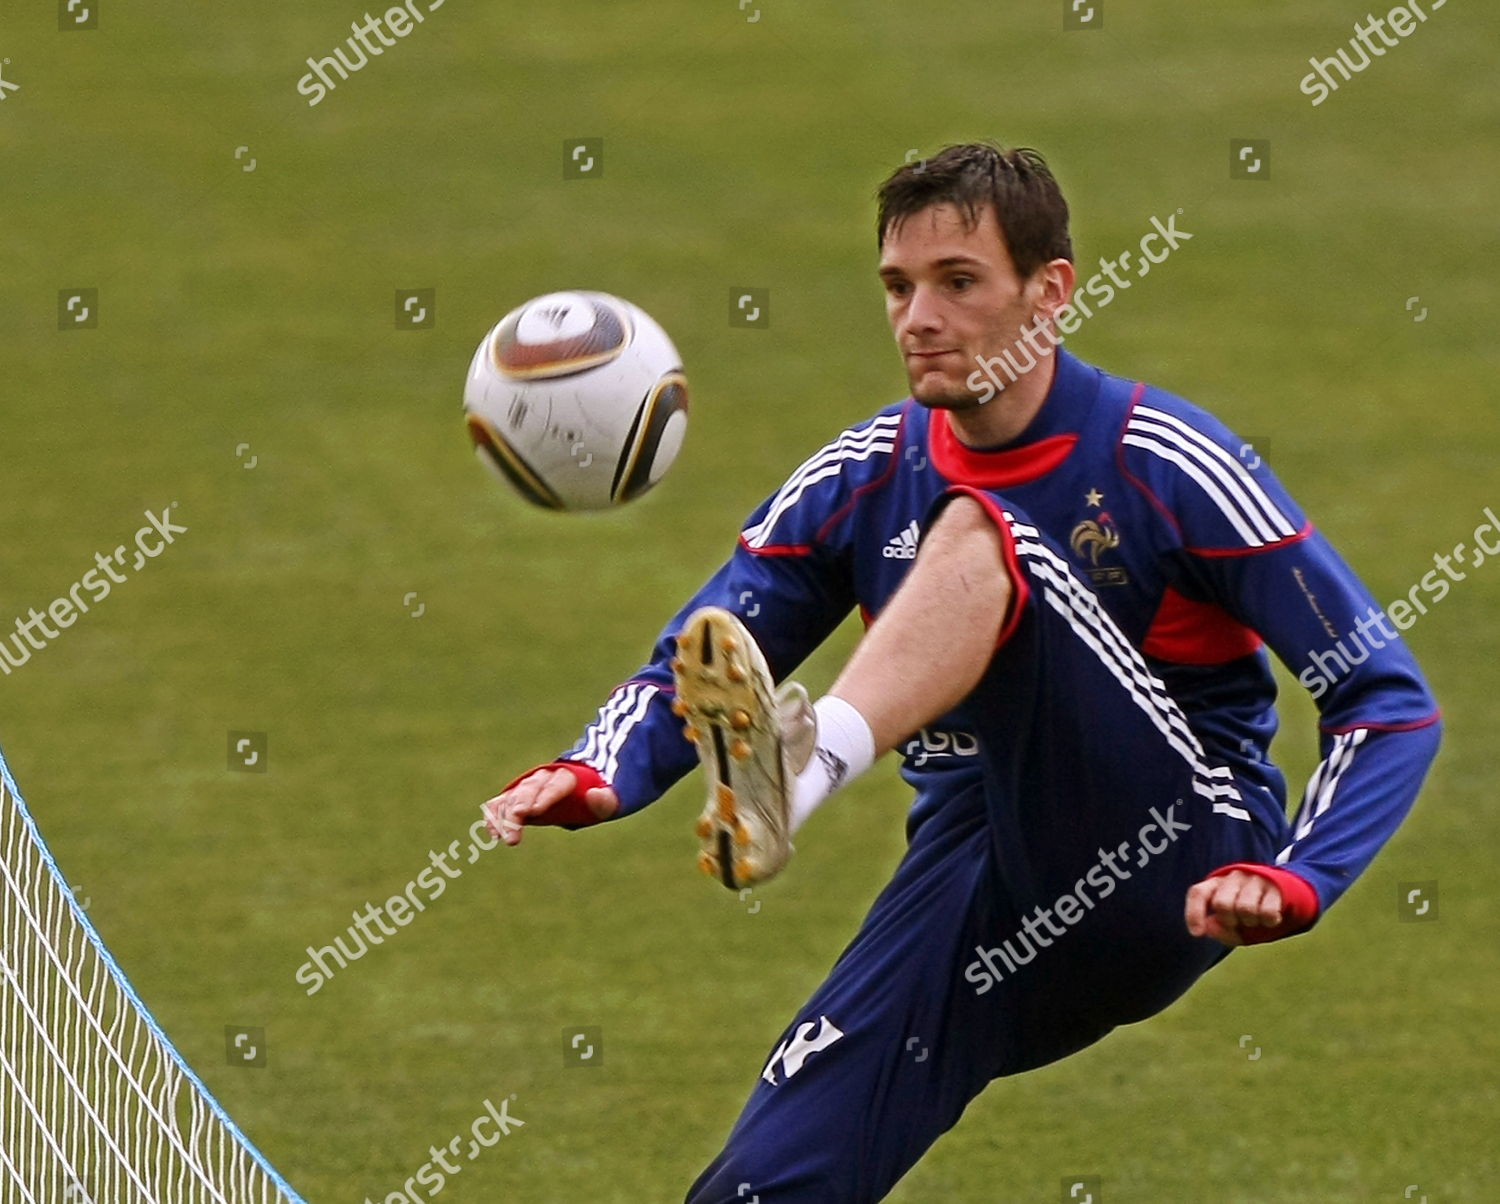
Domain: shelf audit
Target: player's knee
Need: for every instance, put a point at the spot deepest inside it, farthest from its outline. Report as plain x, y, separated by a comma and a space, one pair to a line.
964, 535
962, 516
963, 529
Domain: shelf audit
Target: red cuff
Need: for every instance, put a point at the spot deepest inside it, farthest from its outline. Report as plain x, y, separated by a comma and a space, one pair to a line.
1299, 901
573, 811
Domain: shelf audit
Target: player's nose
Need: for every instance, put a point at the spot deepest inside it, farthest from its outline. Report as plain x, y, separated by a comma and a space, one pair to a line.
924, 312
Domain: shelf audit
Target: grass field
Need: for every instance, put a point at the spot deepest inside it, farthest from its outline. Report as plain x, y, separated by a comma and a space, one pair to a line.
247, 316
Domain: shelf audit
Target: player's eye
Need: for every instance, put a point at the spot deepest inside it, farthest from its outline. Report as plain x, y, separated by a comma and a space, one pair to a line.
960, 283
897, 288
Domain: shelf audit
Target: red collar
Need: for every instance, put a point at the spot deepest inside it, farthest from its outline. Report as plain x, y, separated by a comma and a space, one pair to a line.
964, 465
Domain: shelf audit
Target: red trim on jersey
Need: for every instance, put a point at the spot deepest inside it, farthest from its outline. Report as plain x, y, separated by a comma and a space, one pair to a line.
884, 476
1196, 633
993, 469
573, 811
1411, 726
778, 549
1307, 529
1021, 588
1299, 901
1146, 490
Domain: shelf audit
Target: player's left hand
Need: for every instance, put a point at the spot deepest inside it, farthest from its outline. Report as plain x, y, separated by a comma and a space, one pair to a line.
1225, 907
562, 794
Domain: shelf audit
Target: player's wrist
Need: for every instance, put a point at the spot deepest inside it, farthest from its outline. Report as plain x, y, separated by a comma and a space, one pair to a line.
573, 810
1300, 906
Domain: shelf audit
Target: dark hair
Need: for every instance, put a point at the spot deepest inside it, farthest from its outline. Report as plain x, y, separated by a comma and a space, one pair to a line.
1018, 183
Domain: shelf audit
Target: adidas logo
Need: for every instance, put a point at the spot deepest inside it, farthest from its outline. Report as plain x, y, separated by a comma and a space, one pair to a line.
835, 766
904, 545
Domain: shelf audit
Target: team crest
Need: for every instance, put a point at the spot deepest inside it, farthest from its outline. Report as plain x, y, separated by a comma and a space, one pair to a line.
1090, 540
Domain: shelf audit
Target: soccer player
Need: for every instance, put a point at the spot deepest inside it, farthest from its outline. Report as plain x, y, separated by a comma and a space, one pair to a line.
1070, 580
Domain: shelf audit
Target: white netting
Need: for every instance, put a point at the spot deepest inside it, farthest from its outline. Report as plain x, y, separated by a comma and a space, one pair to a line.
96, 1106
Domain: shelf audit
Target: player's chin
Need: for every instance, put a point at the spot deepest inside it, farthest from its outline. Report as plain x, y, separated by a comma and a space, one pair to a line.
939, 391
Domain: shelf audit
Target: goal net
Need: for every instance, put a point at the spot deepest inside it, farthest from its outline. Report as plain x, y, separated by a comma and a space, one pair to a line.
96, 1105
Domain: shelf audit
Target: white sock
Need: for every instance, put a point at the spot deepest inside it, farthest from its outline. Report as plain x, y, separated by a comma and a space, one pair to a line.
845, 749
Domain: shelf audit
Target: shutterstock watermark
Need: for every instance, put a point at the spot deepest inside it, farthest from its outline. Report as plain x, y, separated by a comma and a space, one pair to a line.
1103, 286
1070, 907
370, 927
1320, 84
399, 20
442, 1161
1372, 630
33, 632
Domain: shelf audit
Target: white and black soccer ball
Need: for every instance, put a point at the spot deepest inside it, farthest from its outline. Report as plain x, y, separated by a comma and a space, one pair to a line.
577, 400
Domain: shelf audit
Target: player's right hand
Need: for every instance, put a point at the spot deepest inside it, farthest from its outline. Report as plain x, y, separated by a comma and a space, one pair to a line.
550, 795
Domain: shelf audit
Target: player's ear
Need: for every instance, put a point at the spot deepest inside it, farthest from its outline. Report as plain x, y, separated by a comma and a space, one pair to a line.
1053, 282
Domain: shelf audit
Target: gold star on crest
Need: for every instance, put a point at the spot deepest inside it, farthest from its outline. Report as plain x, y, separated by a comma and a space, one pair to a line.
1094, 498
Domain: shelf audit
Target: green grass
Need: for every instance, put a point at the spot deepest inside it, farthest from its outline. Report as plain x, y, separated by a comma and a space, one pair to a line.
256, 308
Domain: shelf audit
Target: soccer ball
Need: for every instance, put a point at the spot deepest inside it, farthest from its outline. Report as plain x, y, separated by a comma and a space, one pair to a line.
577, 400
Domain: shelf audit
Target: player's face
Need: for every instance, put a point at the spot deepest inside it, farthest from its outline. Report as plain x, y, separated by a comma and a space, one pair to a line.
952, 295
